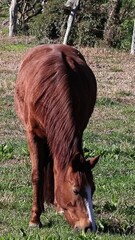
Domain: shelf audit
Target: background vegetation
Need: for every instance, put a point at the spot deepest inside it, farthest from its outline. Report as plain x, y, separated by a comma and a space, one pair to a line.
98, 22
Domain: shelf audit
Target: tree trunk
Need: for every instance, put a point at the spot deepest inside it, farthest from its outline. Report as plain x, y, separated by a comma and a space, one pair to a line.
133, 40
43, 2
12, 18
113, 22
73, 5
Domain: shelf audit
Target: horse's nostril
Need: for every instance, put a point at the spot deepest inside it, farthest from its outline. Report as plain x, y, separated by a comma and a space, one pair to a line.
77, 229
88, 228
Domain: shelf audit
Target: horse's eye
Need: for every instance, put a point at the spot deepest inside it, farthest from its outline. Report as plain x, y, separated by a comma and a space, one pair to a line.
76, 192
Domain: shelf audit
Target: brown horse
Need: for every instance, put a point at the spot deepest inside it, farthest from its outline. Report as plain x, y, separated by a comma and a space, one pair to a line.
55, 97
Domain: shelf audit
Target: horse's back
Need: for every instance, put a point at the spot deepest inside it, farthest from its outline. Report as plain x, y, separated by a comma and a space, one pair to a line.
54, 81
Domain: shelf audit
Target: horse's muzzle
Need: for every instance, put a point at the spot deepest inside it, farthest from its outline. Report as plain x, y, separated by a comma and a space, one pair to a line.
85, 229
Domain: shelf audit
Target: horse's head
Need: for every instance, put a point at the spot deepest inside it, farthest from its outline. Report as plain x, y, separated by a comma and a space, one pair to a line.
73, 194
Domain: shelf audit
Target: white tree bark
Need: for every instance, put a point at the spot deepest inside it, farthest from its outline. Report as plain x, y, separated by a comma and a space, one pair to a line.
133, 40
43, 2
12, 18
73, 5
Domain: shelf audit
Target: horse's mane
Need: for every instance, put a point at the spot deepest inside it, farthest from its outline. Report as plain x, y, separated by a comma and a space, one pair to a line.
56, 93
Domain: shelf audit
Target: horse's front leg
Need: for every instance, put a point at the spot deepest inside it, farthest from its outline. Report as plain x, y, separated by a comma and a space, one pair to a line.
36, 150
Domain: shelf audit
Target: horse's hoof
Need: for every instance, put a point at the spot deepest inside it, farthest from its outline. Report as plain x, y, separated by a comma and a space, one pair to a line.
59, 210
34, 225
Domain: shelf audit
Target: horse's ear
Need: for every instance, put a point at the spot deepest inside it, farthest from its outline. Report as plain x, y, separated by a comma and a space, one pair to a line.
93, 161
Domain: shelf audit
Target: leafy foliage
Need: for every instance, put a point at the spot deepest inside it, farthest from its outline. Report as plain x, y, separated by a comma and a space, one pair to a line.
48, 25
6, 151
89, 29
89, 25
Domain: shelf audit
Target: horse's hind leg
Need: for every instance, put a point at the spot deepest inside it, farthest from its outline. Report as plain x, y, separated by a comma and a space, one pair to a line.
49, 181
37, 153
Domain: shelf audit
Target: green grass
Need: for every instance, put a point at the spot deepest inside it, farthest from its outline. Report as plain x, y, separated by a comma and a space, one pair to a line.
110, 134
16, 47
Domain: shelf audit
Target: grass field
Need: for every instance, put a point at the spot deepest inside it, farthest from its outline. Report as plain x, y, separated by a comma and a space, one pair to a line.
110, 133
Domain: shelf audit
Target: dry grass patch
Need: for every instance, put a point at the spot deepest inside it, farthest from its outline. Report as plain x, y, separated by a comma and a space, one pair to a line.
115, 71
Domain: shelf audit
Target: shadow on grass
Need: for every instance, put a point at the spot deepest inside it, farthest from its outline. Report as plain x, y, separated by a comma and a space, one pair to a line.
110, 221
116, 228
49, 224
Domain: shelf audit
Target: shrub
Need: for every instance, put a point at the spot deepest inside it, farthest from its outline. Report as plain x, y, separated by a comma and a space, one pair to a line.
51, 25
48, 26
